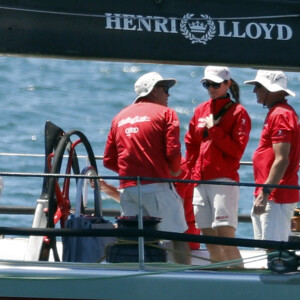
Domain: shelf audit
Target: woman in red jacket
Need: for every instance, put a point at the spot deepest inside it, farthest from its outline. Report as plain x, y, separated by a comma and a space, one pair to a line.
215, 142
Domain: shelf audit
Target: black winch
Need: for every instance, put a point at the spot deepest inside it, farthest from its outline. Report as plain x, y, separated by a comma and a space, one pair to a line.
125, 249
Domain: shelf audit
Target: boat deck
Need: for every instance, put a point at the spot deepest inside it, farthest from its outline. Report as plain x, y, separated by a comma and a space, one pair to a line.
15, 249
55, 280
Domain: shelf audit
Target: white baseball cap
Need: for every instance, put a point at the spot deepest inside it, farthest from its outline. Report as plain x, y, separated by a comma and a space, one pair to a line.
273, 81
145, 84
216, 74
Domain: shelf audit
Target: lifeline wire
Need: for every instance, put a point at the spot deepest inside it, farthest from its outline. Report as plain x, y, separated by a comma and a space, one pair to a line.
150, 179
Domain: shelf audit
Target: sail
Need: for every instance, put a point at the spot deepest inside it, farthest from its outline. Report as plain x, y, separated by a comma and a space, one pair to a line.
262, 33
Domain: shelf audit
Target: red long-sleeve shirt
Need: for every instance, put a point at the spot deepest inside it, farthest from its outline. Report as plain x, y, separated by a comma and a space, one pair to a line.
143, 141
216, 152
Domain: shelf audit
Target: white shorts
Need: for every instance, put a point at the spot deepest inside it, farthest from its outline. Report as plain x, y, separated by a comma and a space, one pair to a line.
216, 205
275, 223
158, 200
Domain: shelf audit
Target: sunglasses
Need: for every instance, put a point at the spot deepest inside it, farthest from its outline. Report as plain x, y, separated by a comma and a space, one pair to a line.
257, 85
165, 88
208, 84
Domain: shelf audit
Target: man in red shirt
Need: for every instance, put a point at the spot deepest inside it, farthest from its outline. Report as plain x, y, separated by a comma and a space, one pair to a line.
144, 141
276, 160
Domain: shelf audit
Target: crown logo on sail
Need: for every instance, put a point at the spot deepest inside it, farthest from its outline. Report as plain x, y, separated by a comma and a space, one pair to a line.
198, 27
197, 31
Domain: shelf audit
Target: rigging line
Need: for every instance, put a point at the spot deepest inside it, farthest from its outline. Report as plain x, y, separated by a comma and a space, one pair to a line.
21, 154
172, 250
150, 179
42, 155
254, 260
163, 235
138, 17
98, 157
246, 260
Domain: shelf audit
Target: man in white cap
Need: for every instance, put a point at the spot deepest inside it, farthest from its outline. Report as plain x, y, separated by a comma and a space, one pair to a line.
276, 160
144, 141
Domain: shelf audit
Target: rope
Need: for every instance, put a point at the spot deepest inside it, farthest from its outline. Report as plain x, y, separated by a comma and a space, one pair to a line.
183, 253
154, 244
131, 242
229, 263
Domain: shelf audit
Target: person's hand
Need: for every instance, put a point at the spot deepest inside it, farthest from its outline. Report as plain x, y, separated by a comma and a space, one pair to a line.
211, 122
260, 203
175, 174
92, 183
103, 185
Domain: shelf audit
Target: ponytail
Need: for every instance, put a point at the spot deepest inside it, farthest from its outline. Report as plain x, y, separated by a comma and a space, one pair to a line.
235, 91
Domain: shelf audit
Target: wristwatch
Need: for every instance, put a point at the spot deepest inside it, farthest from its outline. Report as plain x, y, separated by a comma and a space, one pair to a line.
266, 190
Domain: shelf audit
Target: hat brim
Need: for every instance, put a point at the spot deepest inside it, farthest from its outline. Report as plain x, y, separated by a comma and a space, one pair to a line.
212, 78
168, 82
271, 88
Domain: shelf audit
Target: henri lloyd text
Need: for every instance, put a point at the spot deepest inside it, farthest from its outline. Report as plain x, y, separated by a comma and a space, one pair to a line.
199, 29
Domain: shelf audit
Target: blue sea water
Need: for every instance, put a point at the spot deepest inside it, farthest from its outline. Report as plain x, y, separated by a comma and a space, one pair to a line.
86, 95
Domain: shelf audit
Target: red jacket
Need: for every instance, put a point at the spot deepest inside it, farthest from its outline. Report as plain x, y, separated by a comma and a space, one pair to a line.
185, 191
216, 152
143, 141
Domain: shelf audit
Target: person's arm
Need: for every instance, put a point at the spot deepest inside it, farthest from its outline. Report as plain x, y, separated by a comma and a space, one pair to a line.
110, 190
278, 168
173, 146
232, 144
192, 145
110, 158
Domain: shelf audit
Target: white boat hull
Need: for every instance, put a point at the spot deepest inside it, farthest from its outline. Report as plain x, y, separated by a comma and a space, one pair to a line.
49, 280
58, 280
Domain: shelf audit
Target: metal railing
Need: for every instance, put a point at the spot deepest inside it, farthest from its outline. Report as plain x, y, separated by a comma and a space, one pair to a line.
26, 210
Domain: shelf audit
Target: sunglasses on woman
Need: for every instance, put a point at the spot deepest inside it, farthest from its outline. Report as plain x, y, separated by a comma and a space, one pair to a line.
208, 84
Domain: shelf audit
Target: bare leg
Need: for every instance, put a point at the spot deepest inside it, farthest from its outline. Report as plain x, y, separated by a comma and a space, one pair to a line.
216, 252
183, 258
231, 252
